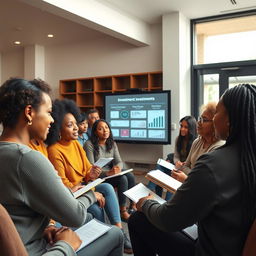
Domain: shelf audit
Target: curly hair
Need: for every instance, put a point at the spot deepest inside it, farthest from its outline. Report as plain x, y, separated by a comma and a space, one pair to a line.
95, 139
16, 94
59, 109
209, 107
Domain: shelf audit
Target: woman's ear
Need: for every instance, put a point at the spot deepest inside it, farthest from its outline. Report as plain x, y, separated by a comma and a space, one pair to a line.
29, 114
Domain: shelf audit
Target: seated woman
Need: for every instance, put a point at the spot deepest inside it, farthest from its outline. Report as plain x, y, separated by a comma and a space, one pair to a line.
33, 192
10, 242
101, 144
82, 129
183, 144
38, 145
206, 142
219, 193
72, 165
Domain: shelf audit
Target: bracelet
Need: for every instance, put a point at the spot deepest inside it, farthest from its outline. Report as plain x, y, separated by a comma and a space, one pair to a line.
50, 224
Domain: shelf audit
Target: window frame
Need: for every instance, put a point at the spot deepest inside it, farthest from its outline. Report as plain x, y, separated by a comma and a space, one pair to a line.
198, 69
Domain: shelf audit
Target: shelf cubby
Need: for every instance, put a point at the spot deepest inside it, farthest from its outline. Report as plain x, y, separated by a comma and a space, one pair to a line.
84, 99
103, 84
121, 83
89, 92
155, 80
85, 85
68, 86
139, 81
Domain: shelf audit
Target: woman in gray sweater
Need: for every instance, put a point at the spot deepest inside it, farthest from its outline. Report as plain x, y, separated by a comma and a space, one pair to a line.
30, 189
101, 144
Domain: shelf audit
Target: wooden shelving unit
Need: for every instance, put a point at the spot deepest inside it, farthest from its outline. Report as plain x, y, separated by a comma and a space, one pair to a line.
89, 92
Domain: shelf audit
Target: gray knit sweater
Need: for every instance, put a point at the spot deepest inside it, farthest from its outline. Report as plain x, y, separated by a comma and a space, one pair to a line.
32, 193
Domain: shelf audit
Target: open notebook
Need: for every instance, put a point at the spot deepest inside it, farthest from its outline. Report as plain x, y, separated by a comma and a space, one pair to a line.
163, 180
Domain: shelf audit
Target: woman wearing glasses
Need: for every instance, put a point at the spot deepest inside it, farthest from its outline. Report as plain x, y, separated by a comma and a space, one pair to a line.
206, 142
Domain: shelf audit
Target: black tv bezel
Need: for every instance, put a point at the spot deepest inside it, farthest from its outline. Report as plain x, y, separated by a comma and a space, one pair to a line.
131, 92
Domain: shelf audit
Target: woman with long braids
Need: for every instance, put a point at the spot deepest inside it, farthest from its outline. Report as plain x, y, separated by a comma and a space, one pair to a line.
219, 193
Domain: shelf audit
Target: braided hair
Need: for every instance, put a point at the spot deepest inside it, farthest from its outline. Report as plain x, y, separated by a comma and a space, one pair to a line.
95, 139
240, 102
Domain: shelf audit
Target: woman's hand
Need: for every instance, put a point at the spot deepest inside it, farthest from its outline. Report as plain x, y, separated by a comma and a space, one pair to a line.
179, 175
95, 172
100, 199
115, 169
68, 236
141, 201
76, 187
179, 164
49, 233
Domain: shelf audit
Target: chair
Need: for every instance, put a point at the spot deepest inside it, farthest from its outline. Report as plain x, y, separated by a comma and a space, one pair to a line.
250, 243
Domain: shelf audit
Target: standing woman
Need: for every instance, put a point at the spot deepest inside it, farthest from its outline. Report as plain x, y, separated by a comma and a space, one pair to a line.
101, 144
219, 193
183, 144
30, 189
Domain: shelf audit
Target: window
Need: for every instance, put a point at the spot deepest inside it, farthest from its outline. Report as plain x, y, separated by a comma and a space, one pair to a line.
226, 40
224, 56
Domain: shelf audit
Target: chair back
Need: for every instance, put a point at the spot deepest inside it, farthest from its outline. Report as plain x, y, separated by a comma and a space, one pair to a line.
250, 243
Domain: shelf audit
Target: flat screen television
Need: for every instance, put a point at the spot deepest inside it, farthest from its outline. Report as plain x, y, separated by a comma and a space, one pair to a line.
139, 117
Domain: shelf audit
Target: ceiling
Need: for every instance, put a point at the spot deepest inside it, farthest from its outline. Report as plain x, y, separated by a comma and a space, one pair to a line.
30, 25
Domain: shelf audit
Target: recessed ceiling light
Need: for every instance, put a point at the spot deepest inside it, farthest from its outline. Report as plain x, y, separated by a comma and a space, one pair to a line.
50, 35
17, 42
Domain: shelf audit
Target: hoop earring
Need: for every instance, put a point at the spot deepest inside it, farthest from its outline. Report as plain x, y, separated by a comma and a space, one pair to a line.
29, 122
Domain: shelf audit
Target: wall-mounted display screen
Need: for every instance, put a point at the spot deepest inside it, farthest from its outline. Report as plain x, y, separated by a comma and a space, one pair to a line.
142, 117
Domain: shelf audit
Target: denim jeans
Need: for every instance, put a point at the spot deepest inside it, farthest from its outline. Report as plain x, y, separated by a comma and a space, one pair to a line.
122, 183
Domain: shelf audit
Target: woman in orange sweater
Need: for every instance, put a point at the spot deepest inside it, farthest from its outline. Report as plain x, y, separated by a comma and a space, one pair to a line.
69, 159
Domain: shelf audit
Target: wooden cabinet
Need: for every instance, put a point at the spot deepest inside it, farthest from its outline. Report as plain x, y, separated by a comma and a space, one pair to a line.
89, 92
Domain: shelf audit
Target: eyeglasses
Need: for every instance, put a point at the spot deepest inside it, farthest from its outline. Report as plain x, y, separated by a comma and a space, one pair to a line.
203, 120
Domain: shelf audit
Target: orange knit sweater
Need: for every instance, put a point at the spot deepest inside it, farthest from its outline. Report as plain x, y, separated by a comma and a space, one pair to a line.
70, 160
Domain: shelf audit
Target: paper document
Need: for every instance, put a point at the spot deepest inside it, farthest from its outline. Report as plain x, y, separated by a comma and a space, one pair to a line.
118, 174
163, 180
191, 231
91, 231
87, 187
139, 191
103, 161
165, 164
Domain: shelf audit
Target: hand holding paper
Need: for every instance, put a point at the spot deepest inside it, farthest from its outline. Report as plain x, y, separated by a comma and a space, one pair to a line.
141, 201
103, 161
137, 192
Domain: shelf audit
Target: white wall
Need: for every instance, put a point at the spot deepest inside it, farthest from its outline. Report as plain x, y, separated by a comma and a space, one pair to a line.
101, 57
12, 64
107, 56
176, 68
110, 56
